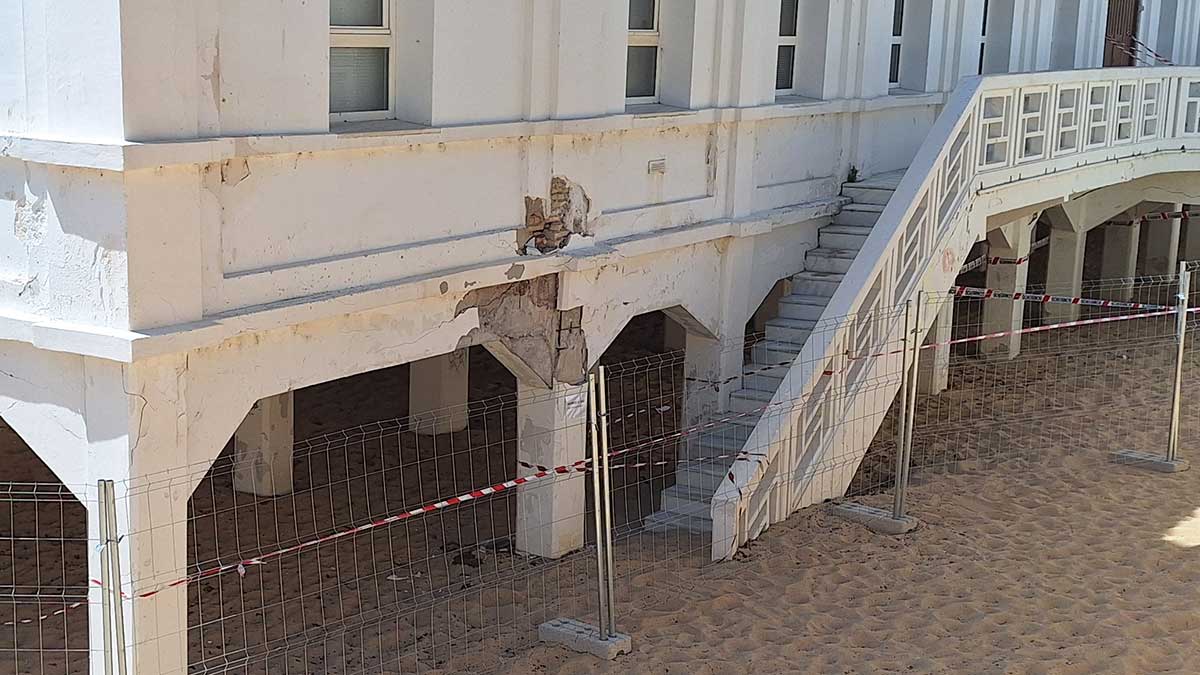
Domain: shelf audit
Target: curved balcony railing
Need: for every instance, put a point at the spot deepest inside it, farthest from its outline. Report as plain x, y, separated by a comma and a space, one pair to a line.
993, 130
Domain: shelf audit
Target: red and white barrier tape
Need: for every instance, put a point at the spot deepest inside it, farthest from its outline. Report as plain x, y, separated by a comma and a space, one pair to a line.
1042, 298
576, 467
997, 260
45, 617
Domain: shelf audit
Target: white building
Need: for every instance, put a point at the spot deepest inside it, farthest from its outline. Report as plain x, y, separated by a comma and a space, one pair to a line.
214, 204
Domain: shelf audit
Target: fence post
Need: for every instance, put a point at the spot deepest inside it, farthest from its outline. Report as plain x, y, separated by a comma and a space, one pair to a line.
908, 401
105, 573
1168, 462
112, 607
882, 520
606, 489
598, 507
1181, 338
600, 641
113, 547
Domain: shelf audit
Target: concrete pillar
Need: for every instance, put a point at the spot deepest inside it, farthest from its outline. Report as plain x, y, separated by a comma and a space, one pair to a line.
1064, 272
551, 432
1160, 243
1012, 241
1191, 236
712, 371
262, 447
1119, 260
933, 371
437, 402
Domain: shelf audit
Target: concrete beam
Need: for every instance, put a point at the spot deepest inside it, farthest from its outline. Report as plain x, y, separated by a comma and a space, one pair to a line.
262, 447
437, 393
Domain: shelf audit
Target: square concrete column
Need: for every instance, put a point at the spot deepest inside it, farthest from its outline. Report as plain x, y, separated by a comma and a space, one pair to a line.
437, 393
933, 372
1119, 260
262, 447
1191, 236
551, 432
1006, 315
1160, 243
1064, 272
712, 370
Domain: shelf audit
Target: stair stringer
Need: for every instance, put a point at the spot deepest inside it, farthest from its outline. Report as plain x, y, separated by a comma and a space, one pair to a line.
791, 452
995, 131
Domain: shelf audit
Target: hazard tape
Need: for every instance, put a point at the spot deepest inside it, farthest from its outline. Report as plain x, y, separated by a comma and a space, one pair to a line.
546, 472
997, 260
46, 617
1042, 298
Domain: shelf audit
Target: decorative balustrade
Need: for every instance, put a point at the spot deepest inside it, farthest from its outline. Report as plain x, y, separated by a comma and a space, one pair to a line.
993, 130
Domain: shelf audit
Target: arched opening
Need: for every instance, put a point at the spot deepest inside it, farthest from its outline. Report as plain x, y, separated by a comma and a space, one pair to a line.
345, 568
43, 566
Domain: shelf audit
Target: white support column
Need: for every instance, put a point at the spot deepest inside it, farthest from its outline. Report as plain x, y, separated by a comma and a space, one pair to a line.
1064, 272
1191, 237
138, 437
712, 370
1160, 242
933, 373
1005, 315
262, 447
551, 432
438, 393
1120, 259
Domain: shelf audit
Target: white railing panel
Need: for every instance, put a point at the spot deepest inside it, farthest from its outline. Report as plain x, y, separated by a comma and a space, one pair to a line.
994, 128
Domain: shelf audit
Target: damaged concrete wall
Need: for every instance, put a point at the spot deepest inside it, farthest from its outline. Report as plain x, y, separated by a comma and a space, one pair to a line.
569, 215
520, 323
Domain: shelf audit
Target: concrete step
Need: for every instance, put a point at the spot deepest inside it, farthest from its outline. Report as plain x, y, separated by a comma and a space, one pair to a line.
663, 521
749, 400
702, 476
867, 195
816, 283
687, 501
843, 236
736, 425
773, 353
883, 181
789, 330
724, 440
803, 307
833, 260
863, 215
764, 378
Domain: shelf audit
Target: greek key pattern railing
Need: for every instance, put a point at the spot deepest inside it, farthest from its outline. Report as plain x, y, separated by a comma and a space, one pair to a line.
992, 130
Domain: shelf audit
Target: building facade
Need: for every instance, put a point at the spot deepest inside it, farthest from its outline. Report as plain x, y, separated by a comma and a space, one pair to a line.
213, 205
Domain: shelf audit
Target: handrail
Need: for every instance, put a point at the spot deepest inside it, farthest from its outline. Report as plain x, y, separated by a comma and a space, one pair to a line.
993, 130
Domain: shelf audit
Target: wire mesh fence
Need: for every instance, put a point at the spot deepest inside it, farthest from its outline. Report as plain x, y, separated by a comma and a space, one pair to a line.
444, 541
44, 589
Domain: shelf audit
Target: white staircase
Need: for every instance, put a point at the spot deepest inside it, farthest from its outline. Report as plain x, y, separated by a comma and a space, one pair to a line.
704, 459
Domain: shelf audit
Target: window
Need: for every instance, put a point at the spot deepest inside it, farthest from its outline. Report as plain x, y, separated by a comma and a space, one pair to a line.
360, 60
785, 65
641, 68
897, 43
983, 36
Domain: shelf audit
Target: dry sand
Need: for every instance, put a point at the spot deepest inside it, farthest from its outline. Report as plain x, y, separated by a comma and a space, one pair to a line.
1076, 568
1042, 559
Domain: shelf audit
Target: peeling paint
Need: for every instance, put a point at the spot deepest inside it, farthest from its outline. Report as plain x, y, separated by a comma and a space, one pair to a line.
515, 272
569, 214
234, 171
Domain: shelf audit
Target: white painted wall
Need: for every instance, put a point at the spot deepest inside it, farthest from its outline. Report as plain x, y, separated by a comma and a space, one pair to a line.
198, 230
